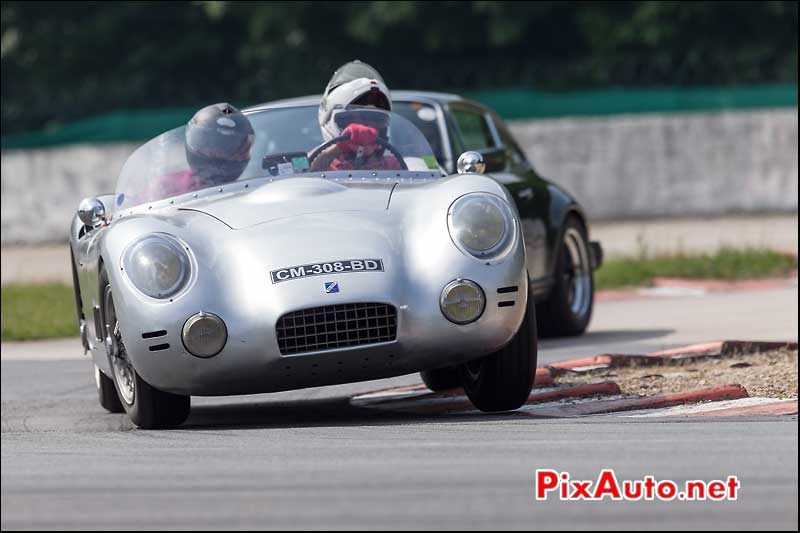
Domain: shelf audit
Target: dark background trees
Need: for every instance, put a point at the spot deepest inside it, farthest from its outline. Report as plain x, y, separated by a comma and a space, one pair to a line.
66, 60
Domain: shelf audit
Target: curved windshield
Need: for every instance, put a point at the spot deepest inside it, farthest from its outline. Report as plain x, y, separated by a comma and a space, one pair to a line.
288, 142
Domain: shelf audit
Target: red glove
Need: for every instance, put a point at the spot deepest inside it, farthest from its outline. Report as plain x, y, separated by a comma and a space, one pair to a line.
360, 135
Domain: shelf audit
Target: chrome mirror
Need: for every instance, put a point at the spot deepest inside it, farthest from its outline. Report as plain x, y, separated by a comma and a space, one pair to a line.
92, 212
471, 162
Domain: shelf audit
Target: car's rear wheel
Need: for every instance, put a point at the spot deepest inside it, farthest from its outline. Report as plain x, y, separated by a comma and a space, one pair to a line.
441, 378
107, 392
502, 381
146, 406
568, 308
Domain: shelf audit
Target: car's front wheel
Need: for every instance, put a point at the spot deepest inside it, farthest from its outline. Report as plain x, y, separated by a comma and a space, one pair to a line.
107, 392
502, 381
441, 378
146, 406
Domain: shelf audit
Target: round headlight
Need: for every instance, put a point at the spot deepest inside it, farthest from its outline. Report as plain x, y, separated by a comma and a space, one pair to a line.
482, 224
157, 265
204, 334
462, 301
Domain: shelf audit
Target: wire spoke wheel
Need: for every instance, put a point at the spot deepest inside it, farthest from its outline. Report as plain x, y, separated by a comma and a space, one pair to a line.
123, 369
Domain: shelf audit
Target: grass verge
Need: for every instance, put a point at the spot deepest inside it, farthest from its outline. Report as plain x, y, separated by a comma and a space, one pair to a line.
727, 264
40, 311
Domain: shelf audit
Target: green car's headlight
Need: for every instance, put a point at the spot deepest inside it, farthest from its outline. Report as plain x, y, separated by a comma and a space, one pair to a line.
157, 265
482, 224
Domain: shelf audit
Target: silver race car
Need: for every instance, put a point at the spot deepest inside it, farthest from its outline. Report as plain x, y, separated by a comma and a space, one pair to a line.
306, 270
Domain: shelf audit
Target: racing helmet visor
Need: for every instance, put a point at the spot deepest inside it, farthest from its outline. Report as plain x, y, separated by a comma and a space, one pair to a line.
375, 98
222, 143
365, 116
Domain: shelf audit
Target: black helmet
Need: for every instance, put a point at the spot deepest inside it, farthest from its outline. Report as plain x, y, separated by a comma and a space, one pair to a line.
218, 142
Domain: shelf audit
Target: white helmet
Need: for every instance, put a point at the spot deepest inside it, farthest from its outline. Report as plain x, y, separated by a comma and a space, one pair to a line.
354, 83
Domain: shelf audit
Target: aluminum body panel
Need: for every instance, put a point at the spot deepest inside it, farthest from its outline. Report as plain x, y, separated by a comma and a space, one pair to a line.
402, 222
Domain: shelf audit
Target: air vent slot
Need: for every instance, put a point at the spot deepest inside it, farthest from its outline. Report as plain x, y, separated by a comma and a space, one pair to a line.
506, 290
159, 347
154, 334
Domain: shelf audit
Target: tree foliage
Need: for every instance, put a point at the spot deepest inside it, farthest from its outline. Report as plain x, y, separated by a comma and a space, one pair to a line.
65, 60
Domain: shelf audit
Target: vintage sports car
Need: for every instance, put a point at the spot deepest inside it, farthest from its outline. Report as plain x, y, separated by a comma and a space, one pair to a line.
300, 274
560, 257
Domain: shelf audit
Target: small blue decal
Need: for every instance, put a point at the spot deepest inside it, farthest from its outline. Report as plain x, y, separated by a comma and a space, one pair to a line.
331, 287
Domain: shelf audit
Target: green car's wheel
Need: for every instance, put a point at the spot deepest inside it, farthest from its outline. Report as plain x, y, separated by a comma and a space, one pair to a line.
568, 308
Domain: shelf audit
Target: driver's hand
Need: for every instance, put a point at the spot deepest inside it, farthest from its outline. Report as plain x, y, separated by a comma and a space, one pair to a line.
360, 135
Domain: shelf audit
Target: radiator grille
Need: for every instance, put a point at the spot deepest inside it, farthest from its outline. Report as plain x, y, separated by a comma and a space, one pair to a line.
336, 326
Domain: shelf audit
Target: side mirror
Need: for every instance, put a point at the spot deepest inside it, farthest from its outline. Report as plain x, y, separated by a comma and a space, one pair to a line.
92, 212
470, 162
495, 159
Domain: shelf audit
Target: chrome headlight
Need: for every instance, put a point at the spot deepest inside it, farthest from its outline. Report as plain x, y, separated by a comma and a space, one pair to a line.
462, 301
204, 334
482, 224
157, 265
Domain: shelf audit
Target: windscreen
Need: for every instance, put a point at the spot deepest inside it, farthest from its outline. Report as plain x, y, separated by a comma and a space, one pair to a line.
288, 142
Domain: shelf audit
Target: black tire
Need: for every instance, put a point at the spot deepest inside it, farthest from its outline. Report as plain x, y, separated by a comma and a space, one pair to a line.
107, 393
150, 408
502, 381
155, 409
555, 315
441, 378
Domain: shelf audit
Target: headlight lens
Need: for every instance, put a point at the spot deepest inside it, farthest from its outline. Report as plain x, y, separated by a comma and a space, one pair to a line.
462, 301
204, 334
157, 265
482, 224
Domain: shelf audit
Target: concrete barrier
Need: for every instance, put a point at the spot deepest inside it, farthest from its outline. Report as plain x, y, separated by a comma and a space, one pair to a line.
677, 164
41, 188
623, 166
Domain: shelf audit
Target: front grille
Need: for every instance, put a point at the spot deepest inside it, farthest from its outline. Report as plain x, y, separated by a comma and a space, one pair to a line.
336, 326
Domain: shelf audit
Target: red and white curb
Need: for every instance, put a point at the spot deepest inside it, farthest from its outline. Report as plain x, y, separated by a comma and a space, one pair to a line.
603, 398
423, 401
740, 407
633, 403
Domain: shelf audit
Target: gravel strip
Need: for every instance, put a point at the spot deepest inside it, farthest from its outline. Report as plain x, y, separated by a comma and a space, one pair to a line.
769, 374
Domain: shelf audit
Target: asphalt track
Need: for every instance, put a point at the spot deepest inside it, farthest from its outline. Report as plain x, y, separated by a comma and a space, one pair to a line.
307, 459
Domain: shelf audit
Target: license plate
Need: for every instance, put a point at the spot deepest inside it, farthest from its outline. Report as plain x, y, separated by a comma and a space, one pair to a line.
344, 266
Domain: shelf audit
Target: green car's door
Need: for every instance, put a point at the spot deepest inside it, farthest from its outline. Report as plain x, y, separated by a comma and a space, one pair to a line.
474, 128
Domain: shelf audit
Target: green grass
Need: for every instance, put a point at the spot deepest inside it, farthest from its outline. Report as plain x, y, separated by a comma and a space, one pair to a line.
726, 264
37, 312
48, 310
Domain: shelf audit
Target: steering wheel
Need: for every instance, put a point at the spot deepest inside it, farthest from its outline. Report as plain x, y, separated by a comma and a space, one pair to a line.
379, 141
